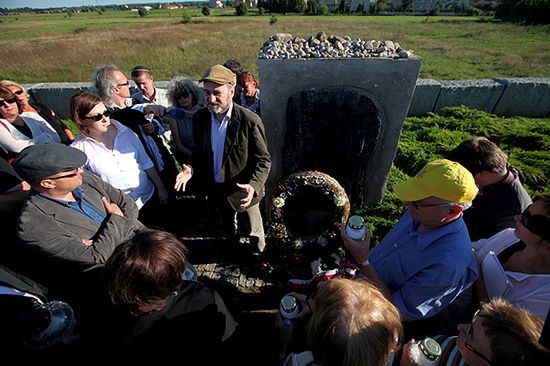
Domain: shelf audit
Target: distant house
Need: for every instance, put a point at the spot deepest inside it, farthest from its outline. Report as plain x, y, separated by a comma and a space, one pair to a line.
249, 3
144, 7
215, 4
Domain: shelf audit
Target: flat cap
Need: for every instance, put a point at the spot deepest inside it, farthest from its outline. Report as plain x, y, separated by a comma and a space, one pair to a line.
40, 161
219, 74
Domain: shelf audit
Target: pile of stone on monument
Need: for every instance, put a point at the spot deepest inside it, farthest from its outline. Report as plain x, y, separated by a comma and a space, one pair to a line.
286, 46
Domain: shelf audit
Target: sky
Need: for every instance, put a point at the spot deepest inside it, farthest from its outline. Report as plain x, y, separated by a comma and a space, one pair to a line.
67, 3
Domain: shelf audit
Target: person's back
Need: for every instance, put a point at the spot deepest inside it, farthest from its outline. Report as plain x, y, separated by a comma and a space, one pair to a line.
153, 309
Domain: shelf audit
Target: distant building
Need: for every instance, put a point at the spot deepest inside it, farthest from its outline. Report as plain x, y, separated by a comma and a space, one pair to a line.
249, 3
215, 4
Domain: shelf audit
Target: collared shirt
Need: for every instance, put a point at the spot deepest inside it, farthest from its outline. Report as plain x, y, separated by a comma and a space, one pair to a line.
156, 156
529, 291
160, 97
425, 271
80, 205
217, 139
124, 166
255, 105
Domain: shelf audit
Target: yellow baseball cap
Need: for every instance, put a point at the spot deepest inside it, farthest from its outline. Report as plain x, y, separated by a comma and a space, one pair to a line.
441, 178
219, 74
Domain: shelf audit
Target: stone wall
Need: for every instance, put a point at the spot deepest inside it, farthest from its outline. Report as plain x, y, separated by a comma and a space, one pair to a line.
529, 97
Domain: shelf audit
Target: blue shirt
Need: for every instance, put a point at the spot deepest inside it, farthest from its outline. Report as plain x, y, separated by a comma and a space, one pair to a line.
217, 139
425, 271
81, 206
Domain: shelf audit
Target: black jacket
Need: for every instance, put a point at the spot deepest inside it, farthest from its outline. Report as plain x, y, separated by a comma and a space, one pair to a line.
246, 159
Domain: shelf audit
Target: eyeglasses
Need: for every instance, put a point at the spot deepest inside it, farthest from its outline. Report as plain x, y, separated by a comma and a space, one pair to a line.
74, 174
469, 335
417, 204
127, 83
18, 92
98, 117
4, 103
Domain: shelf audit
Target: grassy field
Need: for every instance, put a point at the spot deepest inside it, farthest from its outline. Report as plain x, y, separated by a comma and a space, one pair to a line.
56, 47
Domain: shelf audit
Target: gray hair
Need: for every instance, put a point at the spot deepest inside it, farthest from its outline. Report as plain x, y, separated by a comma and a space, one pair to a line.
103, 82
178, 85
464, 205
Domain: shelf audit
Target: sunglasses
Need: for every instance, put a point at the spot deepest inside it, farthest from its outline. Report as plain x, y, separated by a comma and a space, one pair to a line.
98, 117
526, 217
74, 174
127, 83
4, 103
184, 94
18, 92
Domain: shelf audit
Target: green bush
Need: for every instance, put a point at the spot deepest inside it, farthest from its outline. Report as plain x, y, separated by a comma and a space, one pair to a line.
186, 17
322, 10
205, 11
273, 20
241, 9
143, 12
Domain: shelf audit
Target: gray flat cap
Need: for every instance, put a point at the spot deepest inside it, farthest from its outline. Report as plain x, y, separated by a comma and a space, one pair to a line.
40, 161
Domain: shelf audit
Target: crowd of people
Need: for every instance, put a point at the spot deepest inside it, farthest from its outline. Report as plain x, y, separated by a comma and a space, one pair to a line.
90, 219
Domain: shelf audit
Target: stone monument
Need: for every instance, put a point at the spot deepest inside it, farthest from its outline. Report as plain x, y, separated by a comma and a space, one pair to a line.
335, 105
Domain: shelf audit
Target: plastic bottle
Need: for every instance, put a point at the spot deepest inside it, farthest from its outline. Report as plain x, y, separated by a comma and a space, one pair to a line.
289, 308
425, 352
355, 228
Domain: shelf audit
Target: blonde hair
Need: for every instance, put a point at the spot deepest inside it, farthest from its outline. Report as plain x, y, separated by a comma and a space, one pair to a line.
8, 83
353, 325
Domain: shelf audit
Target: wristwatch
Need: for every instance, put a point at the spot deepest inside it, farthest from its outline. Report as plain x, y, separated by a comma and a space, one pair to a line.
363, 264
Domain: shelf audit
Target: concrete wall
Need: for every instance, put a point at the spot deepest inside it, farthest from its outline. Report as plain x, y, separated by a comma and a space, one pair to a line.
529, 97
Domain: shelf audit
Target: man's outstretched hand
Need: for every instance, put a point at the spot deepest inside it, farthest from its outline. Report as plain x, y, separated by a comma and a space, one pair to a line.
183, 177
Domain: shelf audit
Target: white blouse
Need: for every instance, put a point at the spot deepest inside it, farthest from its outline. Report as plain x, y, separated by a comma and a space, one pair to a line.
124, 166
12, 140
528, 291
